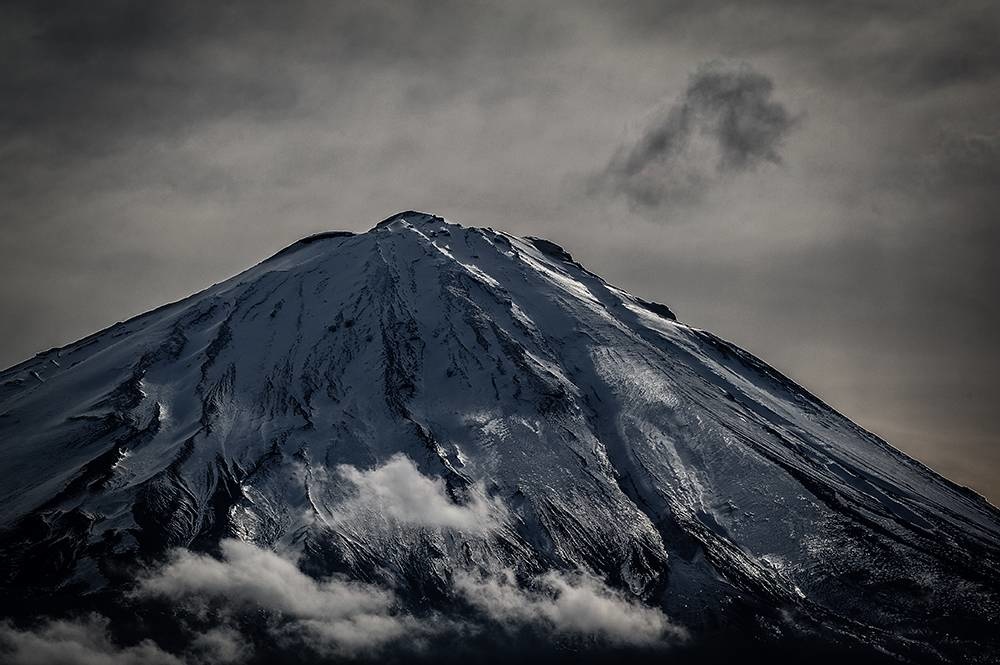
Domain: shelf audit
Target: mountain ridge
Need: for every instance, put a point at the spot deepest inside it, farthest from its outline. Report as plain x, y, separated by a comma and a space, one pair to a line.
596, 432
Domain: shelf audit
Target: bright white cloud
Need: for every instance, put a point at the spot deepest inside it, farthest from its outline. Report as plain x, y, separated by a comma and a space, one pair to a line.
340, 616
83, 642
577, 606
399, 491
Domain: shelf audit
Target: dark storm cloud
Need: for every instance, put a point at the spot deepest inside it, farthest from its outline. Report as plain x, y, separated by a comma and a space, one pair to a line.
725, 122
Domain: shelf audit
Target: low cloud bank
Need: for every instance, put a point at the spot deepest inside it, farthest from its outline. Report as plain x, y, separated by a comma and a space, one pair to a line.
336, 616
84, 642
333, 618
579, 605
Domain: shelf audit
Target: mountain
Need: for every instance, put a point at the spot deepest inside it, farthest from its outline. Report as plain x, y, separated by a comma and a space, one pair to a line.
570, 425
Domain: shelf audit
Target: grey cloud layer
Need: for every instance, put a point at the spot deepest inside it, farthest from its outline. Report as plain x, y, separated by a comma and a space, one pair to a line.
725, 122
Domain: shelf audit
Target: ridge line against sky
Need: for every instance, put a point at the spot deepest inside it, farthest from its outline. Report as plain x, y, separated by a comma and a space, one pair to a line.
816, 183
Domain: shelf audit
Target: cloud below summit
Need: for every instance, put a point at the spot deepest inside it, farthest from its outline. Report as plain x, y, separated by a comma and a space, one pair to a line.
397, 490
335, 616
84, 642
569, 605
338, 617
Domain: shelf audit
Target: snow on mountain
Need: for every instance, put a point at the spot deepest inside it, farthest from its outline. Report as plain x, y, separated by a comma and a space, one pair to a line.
426, 405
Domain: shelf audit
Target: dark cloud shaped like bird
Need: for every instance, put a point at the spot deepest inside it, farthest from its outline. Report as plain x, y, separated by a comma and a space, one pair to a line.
726, 122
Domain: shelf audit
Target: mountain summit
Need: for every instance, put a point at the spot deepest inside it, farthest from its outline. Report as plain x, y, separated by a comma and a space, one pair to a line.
508, 414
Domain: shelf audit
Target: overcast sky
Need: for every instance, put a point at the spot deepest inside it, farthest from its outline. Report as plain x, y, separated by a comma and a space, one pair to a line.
817, 182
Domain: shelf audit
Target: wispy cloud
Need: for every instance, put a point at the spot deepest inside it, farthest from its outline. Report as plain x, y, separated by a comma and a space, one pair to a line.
580, 605
726, 122
220, 645
84, 642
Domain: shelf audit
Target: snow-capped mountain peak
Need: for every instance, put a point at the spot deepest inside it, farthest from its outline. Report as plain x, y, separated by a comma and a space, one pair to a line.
570, 425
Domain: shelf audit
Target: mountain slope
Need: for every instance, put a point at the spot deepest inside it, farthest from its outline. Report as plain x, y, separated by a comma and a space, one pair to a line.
601, 434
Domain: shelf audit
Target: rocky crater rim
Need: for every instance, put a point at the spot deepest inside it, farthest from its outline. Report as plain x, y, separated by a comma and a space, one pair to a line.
411, 217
